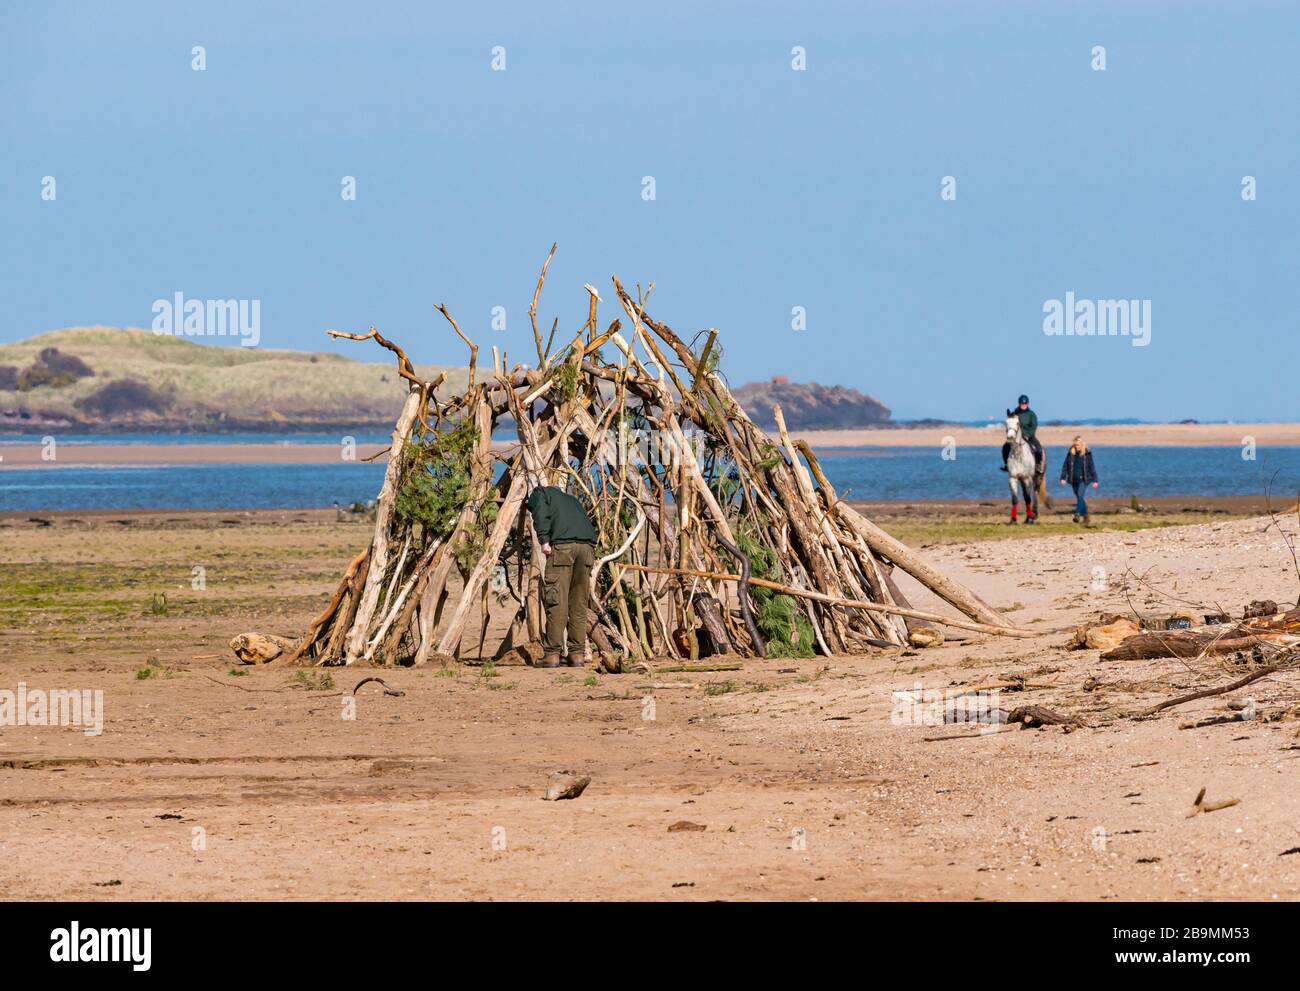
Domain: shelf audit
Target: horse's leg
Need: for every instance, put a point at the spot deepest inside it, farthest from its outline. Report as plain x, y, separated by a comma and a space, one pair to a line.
1011, 484
1031, 500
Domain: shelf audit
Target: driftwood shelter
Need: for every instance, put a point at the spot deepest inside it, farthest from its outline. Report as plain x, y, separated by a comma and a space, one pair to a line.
715, 538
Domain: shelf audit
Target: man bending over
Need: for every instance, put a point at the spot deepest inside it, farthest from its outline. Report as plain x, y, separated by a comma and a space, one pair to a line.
568, 541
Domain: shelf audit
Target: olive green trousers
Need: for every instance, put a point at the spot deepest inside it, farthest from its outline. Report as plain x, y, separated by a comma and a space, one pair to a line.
565, 590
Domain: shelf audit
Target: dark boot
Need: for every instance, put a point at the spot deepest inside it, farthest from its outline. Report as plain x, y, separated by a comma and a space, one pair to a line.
549, 661
574, 661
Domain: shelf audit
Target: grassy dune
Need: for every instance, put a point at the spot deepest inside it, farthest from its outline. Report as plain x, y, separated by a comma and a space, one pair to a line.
201, 384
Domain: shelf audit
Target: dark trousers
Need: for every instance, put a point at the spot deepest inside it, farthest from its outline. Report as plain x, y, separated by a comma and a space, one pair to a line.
565, 590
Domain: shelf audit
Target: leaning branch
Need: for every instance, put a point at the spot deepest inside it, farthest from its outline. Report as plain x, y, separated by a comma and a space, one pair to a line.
834, 600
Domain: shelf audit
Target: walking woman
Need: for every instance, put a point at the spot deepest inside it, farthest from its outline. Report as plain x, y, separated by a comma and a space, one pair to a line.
1080, 472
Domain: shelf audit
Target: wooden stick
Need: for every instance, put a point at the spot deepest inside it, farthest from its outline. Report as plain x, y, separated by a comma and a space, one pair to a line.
886, 546
532, 309
473, 348
369, 599
705, 668
704, 357
1005, 631
314, 629
595, 571
1206, 693
1201, 805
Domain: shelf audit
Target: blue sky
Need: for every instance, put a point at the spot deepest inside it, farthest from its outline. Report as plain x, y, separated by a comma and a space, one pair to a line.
775, 188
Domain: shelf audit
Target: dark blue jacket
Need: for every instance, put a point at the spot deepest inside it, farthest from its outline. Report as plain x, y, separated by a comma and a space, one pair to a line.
1078, 469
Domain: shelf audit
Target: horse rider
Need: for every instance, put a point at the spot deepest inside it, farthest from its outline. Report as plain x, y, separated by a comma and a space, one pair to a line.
1028, 430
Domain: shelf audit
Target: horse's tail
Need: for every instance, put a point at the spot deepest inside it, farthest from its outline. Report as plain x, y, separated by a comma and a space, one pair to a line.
1043, 496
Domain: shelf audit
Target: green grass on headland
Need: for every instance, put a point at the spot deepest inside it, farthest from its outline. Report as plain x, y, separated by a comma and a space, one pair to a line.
197, 383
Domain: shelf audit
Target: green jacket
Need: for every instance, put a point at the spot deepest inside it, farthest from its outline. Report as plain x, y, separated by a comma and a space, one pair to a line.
558, 517
1028, 422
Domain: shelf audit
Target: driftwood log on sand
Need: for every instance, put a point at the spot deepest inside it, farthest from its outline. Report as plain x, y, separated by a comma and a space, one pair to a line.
1276, 631
713, 536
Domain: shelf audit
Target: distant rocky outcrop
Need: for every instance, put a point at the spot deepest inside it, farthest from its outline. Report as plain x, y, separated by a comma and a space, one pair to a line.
809, 406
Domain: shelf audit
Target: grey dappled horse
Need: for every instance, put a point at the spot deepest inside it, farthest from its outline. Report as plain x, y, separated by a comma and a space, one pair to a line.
1022, 472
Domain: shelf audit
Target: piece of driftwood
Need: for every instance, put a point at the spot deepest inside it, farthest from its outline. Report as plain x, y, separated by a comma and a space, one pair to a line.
1273, 629
1201, 805
1179, 643
1006, 631
1286, 622
746, 611
1032, 716
705, 668
1206, 693
903, 557
710, 614
345, 583
388, 689
1105, 636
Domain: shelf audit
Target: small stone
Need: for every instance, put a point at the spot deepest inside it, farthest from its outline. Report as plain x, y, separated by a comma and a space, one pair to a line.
566, 784
259, 648
925, 636
686, 826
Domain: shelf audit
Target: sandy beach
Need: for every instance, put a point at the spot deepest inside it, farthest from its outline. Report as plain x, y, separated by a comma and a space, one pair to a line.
1133, 435
794, 777
27, 451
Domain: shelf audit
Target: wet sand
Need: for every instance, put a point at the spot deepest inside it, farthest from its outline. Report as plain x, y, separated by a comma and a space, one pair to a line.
799, 774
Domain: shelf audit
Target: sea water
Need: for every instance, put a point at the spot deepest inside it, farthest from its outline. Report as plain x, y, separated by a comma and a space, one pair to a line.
910, 474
